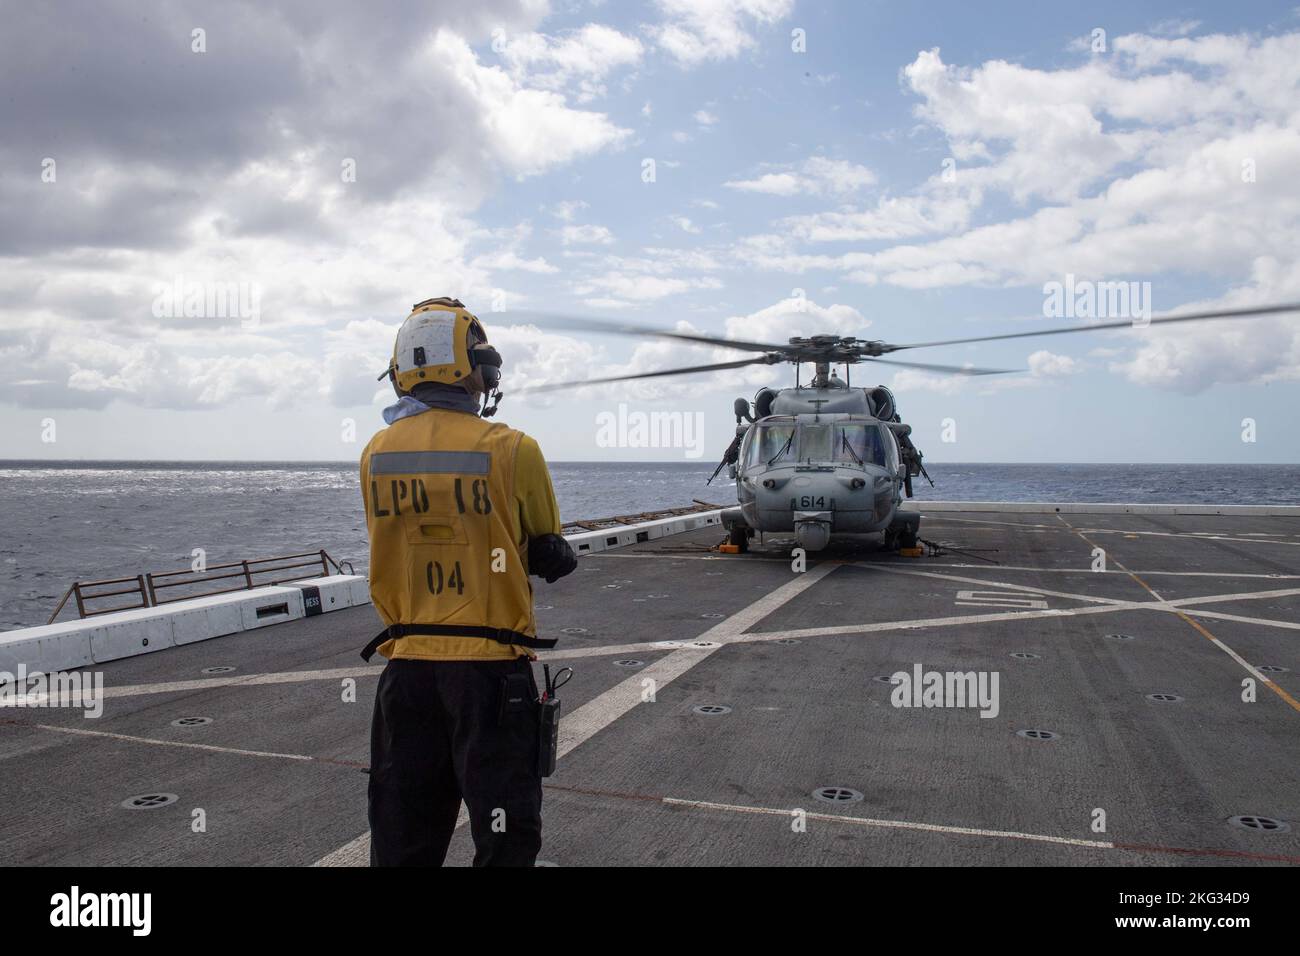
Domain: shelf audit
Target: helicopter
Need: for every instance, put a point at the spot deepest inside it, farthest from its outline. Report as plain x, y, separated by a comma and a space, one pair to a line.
827, 458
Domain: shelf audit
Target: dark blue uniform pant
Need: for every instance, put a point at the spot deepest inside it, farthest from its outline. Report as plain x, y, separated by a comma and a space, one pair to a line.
447, 731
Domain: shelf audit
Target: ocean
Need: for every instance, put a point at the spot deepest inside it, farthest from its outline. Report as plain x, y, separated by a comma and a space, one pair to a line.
64, 521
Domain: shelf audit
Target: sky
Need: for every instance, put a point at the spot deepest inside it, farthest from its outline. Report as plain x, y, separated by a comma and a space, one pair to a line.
214, 217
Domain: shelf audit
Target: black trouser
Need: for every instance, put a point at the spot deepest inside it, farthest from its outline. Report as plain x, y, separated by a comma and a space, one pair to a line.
442, 732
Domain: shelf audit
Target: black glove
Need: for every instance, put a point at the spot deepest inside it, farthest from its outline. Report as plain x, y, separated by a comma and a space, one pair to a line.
550, 557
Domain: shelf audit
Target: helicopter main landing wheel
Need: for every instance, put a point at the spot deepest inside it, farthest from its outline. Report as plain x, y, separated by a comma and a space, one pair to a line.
903, 534
738, 537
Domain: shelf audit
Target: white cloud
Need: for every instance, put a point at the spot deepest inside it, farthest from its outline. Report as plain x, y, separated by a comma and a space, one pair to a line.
568, 209
774, 184
794, 316
816, 176
528, 130
583, 58
705, 118
1191, 358
1166, 158
586, 234
891, 218
1175, 27
696, 31
324, 253
642, 287
156, 376
1045, 364
531, 356
509, 260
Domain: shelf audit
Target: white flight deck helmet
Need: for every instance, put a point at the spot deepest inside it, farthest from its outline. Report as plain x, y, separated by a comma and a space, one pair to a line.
442, 342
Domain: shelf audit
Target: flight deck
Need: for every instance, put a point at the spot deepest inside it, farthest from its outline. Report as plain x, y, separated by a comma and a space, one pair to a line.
739, 709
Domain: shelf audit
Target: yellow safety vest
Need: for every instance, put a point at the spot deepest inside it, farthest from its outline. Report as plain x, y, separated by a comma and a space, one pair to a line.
447, 546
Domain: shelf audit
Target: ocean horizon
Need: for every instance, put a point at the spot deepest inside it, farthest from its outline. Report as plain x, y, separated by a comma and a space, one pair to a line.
74, 519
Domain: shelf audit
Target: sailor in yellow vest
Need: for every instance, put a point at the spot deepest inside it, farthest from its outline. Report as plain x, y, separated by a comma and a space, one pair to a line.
460, 511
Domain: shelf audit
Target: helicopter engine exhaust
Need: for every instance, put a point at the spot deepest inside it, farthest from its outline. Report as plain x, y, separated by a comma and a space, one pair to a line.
812, 535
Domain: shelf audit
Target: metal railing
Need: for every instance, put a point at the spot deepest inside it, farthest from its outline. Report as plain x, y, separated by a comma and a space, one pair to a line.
145, 588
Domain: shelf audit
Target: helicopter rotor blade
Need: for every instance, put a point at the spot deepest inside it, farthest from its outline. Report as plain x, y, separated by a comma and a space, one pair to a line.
1126, 323
946, 369
580, 324
715, 367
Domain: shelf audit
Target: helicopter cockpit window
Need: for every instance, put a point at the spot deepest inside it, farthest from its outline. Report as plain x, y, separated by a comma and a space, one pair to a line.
815, 442
772, 444
858, 445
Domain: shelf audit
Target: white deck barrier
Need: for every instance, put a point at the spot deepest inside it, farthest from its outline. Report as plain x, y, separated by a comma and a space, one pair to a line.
109, 637
620, 536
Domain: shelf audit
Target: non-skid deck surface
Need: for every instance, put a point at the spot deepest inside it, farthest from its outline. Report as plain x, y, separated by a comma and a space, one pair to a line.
1188, 607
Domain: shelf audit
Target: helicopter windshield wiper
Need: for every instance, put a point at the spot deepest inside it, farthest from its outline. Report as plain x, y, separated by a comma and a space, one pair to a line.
784, 448
844, 440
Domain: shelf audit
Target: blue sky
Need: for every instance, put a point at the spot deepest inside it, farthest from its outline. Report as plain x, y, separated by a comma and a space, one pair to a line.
499, 156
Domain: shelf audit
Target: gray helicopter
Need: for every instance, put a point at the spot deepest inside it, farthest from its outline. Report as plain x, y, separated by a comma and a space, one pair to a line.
820, 458
827, 458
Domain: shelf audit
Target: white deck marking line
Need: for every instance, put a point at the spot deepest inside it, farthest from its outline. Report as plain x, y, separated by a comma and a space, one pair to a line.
1236, 596
1158, 605
1091, 598
894, 824
77, 731
951, 621
354, 852
602, 710
906, 563
1183, 606
1220, 616
248, 680
942, 516
1195, 535
1101, 605
1089, 571
1190, 536
1187, 616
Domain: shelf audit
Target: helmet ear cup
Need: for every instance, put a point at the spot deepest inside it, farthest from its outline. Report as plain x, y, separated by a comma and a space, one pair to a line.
487, 361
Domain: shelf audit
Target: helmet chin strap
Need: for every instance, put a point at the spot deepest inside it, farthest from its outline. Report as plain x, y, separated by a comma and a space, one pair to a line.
496, 397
